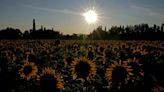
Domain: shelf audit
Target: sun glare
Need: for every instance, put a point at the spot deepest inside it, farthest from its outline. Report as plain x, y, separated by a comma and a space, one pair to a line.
90, 16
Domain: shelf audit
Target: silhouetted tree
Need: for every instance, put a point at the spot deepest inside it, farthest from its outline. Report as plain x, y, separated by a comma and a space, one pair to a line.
26, 35
136, 32
10, 33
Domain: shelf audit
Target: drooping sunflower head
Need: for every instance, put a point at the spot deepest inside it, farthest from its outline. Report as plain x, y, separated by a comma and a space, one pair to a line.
28, 71
26, 54
65, 62
101, 49
83, 68
107, 53
50, 80
32, 58
118, 73
90, 53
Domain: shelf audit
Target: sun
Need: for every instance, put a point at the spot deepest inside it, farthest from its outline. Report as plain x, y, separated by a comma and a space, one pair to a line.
90, 16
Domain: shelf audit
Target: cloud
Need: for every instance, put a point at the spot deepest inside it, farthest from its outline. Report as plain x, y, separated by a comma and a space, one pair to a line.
65, 11
154, 12
144, 10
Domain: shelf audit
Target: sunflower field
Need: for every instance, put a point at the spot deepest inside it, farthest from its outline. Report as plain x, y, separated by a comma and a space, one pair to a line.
81, 66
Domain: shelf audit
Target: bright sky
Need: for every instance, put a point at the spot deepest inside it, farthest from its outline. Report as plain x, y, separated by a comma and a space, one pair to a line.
66, 15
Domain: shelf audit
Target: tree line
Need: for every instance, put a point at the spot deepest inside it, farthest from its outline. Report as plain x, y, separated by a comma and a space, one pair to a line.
135, 32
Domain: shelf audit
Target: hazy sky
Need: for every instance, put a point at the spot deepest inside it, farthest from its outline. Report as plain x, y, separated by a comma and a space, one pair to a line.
66, 15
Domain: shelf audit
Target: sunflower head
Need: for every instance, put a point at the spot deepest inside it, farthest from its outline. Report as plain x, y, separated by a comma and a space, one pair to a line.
28, 71
50, 80
157, 88
75, 46
137, 53
90, 48
123, 45
118, 73
83, 68
135, 65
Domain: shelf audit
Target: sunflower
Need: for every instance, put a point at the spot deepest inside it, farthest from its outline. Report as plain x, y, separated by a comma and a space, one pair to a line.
26, 54
108, 53
90, 48
136, 66
90, 54
101, 49
124, 45
50, 80
75, 46
31, 58
157, 89
65, 62
161, 45
118, 73
137, 52
83, 68
144, 52
28, 71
